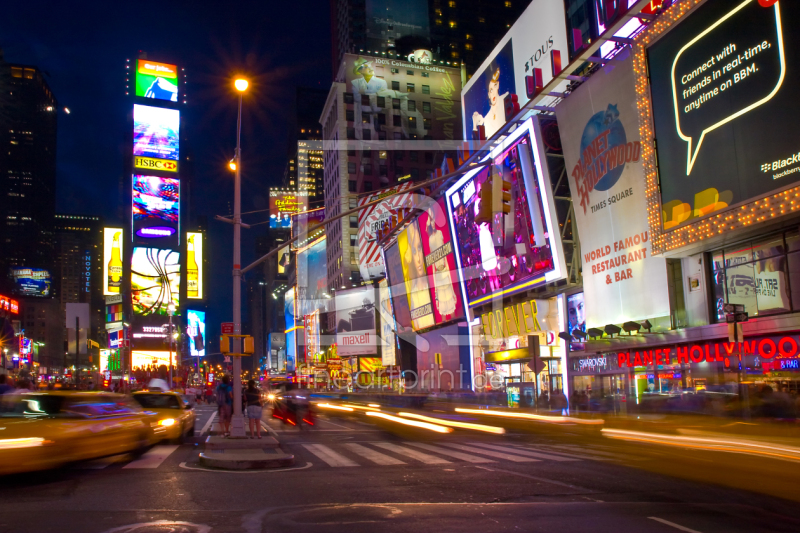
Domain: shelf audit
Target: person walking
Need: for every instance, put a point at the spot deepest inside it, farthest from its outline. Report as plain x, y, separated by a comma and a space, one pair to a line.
225, 405
253, 398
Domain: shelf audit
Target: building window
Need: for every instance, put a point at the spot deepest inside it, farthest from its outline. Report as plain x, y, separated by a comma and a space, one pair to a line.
382, 171
414, 173
438, 22
353, 221
410, 72
351, 133
352, 186
410, 87
365, 118
413, 156
381, 119
381, 135
454, 54
426, 106
412, 123
396, 120
354, 258
351, 168
453, 24
353, 203
368, 169
351, 151
451, 3
381, 101
426, 75
395, 103
481, 20
398, 156
352, 240
763, 275
367, 134
382, 154
428, 158
426, 89
368, 186
364, 99
349, 115
468, 46
395, 85
398, 136
508, 3
412, 105
426, 123
395, 71
348, 98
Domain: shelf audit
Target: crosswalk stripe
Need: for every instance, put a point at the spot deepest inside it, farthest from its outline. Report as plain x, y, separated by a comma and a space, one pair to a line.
372, 455
600, 455
526, 453
450, 453
501, 455
153, 458
329, 456
208, 423
551, 451
419, 456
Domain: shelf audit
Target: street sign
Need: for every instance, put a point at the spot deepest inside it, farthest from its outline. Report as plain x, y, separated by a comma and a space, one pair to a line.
732, 318
227, 359
733, 308
535, 364
227, 328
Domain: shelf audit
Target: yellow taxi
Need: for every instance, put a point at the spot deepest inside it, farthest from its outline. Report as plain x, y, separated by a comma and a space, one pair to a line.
173, 418
40, 430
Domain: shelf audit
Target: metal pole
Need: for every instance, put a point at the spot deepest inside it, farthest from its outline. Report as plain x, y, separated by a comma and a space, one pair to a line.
237, 421
170, 351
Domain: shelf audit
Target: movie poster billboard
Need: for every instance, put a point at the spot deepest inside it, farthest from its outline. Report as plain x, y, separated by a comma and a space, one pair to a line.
155, 280
355, 322
31, 281
599, 127
440, 263
723, 83
156, 136
380, 84
196, 332
156, 80
381, 216
386, 314
284, 260
397, 286
415, 276
518, 248
156, 209
576, 319
539, 30
312, 278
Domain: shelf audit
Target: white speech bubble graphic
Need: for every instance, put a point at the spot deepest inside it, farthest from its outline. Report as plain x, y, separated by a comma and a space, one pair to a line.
691, 156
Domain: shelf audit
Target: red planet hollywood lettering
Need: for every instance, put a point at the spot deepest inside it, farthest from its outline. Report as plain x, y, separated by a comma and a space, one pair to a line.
714, 352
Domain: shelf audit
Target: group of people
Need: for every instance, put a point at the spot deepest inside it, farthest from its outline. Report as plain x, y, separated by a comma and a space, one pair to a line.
251, 401
9, 386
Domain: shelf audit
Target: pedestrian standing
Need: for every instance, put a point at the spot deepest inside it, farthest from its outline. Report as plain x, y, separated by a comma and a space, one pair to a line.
225, 405
253, 398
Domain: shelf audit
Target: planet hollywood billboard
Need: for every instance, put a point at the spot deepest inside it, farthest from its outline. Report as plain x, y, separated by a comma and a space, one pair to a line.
599, 130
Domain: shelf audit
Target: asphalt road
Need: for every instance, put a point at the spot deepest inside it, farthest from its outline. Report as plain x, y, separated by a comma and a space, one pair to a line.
355, 477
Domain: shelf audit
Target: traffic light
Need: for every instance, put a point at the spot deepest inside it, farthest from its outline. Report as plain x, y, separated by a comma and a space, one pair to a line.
249, 345
495, 197
225, 344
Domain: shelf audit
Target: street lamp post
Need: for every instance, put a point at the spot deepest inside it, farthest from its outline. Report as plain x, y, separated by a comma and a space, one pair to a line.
237, 420
170, 312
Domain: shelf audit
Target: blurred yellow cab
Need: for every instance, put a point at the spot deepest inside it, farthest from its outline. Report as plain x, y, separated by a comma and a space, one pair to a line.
174, 418
40, 430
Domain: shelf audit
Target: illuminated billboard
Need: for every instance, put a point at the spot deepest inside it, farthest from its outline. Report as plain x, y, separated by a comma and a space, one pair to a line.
415, 277
307, 223
194, 265
515, 245
284, 260
31, 281
312, 278
9, 305
156, 208
155, 280
394, 273
156, 133
312, 336
156, 80
291, 329
196, 332
355, 322
283, 203
386, 313
382, 216
112, 261
142, 359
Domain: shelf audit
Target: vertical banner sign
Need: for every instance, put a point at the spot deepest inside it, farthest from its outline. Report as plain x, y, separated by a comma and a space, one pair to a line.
388, 348
194, 266
112, 261
599, 126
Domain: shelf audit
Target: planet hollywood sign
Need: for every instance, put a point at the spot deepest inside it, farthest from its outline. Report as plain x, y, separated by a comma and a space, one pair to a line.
767, 348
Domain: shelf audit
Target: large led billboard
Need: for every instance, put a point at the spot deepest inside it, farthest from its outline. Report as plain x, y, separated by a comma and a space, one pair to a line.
156, 136
155, 280
312, 278
156, 80
723, 83
307, 223
196, 332
289, 313
194, 265
112, 260
283, 204
412, 259
156, 209
9, 305
387, 336
31, 281
518, 247
144, 359
355, 322
394, 273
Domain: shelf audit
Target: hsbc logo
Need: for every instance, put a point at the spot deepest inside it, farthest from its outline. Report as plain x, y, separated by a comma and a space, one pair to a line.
155, 164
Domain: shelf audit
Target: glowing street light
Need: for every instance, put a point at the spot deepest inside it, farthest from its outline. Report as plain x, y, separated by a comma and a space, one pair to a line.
241, 85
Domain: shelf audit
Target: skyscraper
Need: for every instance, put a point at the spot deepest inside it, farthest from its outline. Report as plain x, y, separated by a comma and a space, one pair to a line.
304, 157
28, 120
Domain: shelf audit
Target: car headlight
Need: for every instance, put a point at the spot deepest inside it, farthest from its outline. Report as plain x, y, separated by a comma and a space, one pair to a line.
30, 442
270, 396
167, 422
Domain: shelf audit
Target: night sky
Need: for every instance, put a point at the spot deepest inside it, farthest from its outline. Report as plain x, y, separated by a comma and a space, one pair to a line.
82, 48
